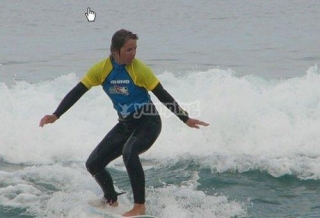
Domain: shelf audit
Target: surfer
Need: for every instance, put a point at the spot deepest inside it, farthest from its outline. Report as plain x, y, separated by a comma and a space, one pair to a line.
126, 80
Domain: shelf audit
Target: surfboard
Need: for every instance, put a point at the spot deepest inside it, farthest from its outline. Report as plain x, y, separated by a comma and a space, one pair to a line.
96, 207
109, 213
106, 213
143, 216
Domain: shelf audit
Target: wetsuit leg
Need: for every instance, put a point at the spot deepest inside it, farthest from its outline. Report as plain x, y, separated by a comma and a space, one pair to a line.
107, 150
140, 140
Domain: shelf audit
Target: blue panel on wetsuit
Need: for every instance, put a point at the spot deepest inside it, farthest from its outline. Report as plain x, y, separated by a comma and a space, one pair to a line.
125, 95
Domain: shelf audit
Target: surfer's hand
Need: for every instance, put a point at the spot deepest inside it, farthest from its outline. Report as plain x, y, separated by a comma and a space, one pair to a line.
193, 123
48, 119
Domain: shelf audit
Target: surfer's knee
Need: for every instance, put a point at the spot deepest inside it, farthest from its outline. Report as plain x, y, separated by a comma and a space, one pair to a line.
90, 167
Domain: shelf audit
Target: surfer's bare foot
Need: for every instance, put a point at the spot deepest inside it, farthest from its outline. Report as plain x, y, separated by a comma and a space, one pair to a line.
138, 209
102, 203
114, 204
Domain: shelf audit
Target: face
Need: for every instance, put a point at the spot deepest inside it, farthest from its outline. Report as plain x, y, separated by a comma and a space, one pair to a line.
127, 52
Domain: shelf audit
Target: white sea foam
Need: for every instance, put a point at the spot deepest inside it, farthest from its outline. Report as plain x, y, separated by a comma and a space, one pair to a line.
184, 201
254, 123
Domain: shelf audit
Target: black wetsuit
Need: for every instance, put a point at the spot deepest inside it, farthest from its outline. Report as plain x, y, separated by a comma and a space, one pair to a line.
130, 137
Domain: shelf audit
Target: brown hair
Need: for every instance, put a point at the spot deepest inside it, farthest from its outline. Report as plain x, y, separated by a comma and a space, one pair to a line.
119, 38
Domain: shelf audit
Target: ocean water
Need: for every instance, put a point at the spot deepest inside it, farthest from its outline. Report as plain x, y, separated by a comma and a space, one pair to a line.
249, 68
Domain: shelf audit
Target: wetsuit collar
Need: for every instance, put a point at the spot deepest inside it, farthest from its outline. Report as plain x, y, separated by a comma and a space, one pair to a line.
116, 65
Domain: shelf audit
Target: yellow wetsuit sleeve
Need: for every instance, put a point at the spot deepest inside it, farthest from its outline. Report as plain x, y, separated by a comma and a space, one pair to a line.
97, 73
142, 75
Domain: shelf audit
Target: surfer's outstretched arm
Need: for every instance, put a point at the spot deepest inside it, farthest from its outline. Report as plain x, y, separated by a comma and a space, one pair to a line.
174, 107
67, 102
